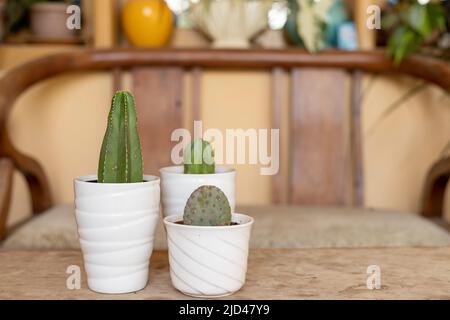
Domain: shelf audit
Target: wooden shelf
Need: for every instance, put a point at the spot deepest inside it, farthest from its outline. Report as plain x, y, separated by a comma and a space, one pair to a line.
43, 41
101, 19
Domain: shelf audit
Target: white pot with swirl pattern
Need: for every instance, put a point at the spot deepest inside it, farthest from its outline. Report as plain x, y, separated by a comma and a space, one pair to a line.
177, 187
116, 227
208, 262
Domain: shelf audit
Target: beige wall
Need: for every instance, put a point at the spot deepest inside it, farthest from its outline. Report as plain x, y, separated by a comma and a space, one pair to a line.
61, 122
239, 100
399, 150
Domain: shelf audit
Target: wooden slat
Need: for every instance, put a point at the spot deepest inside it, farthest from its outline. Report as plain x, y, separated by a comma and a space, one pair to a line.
318, 137
159, 102
117, 79
279, 183
356, 141
196, 92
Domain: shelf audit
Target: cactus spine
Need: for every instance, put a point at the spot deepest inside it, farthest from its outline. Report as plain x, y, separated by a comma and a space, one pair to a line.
121, 155
199, 158
207, 206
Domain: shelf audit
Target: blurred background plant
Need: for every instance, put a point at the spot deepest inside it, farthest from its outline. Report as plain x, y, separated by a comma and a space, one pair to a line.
17, 12
315, 25
413, 24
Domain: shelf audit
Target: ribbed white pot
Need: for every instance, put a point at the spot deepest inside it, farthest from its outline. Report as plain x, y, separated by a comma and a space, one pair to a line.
208, 262
177, 187
116, 226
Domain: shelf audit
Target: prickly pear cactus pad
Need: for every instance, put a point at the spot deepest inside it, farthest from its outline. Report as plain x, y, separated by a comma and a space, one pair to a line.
121, 155
207, 206
199, 158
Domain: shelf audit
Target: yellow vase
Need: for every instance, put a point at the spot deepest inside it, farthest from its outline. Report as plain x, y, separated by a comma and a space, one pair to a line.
147, 23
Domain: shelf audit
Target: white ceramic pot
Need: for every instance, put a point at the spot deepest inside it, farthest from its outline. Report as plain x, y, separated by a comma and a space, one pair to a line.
116, 226
208, 262
231, 23
177, 187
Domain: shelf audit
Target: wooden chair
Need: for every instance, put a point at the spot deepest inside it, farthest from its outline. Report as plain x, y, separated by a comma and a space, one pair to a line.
318, 172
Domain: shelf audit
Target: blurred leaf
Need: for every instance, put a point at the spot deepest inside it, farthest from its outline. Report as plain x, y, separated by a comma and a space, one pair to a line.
437, 16
322, 9
389, 21
17, 12
414, 24
403, 42
418, 19
291, 27
446, 149
397, 104
309, 26
425, 19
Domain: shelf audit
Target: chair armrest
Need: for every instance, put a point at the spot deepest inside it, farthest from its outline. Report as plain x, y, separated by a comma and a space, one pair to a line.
434, 190
33, 172
6, 180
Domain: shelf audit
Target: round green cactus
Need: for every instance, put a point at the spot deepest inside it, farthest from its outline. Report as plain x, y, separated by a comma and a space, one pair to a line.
207, 206
199, 158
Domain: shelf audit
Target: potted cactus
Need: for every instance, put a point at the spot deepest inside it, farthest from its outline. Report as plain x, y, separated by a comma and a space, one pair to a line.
178, 182
117, 210
208, 245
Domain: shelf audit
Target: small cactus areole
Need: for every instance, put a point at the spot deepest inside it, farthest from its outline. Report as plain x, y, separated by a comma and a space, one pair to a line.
207, 206
199, 158
121, 155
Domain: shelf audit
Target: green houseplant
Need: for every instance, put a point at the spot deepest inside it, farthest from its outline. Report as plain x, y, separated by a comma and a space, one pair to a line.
410, 25
117, 210
314, 24
178, 182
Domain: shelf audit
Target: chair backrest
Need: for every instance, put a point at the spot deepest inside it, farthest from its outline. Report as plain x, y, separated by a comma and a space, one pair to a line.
158, 94
322, 144
325, 140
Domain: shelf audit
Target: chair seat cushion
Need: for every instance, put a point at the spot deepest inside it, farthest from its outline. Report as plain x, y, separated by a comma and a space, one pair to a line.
275, 227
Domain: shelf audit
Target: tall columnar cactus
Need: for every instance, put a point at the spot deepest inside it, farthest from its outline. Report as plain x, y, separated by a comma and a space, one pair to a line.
121, 155
199, 157
207, 206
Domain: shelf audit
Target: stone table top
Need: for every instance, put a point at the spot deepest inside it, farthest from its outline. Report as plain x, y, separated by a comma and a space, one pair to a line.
406, 273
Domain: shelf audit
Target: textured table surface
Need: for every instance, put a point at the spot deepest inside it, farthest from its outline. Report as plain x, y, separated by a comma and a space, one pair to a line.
406, 273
